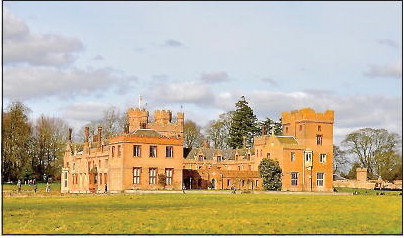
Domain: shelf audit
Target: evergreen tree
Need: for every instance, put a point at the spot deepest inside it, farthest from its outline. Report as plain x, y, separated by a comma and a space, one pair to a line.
271, 172
243, 123
268, 125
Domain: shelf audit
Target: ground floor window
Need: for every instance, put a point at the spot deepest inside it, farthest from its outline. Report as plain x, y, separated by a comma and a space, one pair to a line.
293, 180
320, 179
169, 176
152, 175
136, 175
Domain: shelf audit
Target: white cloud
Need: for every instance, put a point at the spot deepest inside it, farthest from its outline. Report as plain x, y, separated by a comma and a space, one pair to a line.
22, 46
271, 81
393, 70
186, 92
389, 42
36, 82
85, 111
172, 43
215, 77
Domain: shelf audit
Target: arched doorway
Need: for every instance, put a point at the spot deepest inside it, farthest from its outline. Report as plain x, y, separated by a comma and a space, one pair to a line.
213, 183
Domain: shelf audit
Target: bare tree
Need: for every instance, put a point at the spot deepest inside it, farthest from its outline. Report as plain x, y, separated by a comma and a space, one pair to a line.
192, 134
372, 148
218, 130
50, 137
17, 141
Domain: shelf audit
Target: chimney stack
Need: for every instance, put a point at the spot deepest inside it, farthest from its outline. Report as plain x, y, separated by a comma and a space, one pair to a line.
86, 134
70, 134
99, 135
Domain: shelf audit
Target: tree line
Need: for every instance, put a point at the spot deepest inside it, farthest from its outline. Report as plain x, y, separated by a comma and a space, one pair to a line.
35, 149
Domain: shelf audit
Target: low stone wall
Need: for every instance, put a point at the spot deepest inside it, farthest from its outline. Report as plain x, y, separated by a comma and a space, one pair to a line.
353, 184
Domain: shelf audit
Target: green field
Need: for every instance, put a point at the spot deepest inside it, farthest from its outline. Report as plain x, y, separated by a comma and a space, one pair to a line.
202, 214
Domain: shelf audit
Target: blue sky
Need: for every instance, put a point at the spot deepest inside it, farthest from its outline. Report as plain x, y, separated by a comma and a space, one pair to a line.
75, 59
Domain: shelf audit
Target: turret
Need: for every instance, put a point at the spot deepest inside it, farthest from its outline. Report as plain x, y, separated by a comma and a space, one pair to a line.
162, 116
137, 118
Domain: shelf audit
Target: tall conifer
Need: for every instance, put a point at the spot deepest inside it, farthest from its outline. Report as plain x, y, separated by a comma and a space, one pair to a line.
243, 124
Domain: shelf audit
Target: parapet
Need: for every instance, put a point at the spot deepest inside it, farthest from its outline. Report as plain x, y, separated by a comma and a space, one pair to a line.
138, 112
162, 116
307, 114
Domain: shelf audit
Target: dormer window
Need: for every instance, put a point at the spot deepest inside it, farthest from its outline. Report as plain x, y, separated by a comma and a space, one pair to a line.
219, 158
201, 157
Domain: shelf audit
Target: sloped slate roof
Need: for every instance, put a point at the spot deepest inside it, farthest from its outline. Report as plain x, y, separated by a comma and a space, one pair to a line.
146, 133
209, 153
287, 140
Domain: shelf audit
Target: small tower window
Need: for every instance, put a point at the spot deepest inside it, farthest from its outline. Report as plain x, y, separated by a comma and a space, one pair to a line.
319, 139
318, 128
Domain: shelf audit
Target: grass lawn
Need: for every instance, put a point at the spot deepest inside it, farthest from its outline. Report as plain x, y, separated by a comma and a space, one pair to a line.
202, 214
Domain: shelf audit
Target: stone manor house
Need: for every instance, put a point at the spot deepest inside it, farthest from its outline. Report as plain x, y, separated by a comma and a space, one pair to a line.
150, 155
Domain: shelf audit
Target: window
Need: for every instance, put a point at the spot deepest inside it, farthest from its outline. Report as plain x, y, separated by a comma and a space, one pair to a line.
286, 129
152, 175
119, 151
95, 178
248, 156
268, 155
256, 183
200, 157
113, 151
228, 182
169, 151
292, 156
169, 176
300, 127
308, 156
136, 151
242, 183
323, 157
74, 165
318, 128
219, 158
136, 175
320, 179
260, 152
153, 151
293, 180
319, 139
239, 167
100, 178
249, 167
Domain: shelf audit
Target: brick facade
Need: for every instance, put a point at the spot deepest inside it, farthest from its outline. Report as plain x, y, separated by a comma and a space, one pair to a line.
150, 155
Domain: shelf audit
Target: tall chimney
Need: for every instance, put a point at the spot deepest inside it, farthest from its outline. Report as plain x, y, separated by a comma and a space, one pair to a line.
70, 134
99, 135
86, 134
127, 128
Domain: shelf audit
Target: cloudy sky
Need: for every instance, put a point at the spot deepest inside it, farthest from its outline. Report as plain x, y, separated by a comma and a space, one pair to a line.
75, 59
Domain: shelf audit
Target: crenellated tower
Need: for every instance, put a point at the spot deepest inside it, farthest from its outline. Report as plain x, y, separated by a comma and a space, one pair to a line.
163, 122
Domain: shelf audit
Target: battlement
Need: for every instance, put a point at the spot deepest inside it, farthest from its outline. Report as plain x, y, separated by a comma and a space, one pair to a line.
163, 122
162, 116
307, 114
